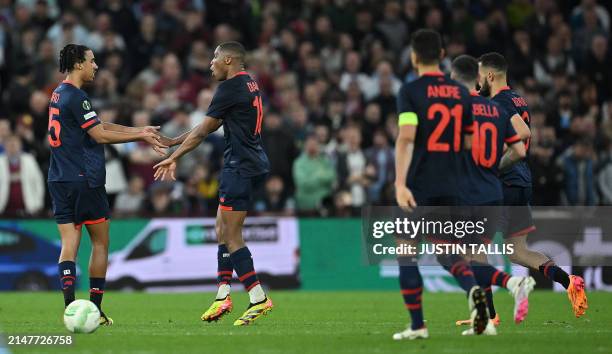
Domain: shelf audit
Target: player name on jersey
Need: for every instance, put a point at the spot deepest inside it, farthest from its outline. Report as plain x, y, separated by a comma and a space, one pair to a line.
485, 110
519, 101
443, 91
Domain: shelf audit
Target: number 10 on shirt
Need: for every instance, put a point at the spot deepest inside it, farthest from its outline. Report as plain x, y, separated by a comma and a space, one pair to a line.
259, 106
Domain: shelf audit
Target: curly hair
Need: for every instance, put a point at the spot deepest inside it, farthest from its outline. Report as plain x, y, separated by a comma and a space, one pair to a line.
70, 55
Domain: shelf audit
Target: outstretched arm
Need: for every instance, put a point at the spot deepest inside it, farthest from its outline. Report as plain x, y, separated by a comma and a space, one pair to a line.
181, 138
125, 129
188, 141
103, 136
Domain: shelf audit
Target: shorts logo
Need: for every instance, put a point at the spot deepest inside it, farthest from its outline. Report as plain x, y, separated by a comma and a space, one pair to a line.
66, 271
86, 105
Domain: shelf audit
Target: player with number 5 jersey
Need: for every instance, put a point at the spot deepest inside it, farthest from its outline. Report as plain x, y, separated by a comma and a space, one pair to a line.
77, 171
237, 105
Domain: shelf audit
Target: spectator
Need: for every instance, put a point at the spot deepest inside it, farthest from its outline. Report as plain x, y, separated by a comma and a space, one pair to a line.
561, 114
387, 98
343, 204
328, 144
334, 112
44, 63
577, 163
554, 59
280, 148
598, 67
583, 36
482, 42
197, 116
116, 181
351, 168
383, 75
275, 201
129, 202
538, 24
67, 30
201, 192
179, 124
5, 132
122, 17
104, 33
392, 26
380, 168
22, 189
352, 73
42, 14
160, 201
546, 176
140, 156
314, 177
21, 89
172, 79
373, 120
604, 177
601, 14
313, 102
521, 56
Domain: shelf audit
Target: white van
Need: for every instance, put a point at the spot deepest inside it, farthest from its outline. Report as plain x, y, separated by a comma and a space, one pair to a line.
183, 252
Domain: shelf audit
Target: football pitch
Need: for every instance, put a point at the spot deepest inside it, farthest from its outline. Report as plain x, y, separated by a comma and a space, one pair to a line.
310, 322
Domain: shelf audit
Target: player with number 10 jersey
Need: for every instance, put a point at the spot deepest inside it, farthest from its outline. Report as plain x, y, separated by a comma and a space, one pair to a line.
237, 106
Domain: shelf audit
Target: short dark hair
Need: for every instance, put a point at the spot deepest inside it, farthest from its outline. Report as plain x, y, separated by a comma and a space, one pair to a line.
465, 68
70, 55
427, 45
236, 49
494, 60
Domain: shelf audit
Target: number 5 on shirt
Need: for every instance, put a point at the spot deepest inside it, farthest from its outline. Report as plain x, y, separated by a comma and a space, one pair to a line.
54, 135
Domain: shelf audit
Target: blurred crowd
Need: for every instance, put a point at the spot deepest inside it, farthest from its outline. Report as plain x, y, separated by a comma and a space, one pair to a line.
329, 71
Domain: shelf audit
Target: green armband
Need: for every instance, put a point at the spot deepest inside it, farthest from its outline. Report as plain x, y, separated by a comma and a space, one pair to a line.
408, 118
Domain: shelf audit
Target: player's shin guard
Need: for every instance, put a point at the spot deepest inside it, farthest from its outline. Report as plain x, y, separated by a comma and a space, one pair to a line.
96, 291
460, 269
411, 285
67, 274
243, 265
554, 273
224, 272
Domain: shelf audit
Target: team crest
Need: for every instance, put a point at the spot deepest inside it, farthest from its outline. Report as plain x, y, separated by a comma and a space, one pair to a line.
86, 105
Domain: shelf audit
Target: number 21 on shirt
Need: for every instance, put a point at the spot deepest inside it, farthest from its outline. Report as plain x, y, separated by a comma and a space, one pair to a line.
445, 114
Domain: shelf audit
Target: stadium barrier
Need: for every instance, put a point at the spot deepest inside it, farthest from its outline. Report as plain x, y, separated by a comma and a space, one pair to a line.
313, 254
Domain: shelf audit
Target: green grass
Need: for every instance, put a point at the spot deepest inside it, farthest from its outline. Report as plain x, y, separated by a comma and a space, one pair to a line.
311, 322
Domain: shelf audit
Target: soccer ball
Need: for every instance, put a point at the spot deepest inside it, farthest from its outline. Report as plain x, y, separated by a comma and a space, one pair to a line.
82, 316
